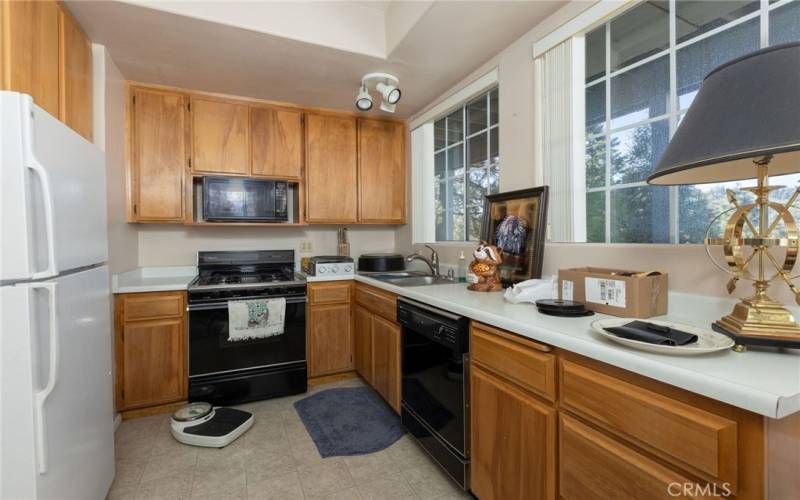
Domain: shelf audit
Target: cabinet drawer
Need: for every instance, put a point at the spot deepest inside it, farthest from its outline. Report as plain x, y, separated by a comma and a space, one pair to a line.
378, 301
595, 466
329, 293
698, 441
139, 306
524, 362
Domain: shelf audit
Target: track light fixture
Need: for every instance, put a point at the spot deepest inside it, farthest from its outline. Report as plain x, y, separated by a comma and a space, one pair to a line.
390, 93
386, 85
363, 99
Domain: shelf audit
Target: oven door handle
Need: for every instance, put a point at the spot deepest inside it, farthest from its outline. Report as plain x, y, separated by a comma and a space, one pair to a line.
223, 305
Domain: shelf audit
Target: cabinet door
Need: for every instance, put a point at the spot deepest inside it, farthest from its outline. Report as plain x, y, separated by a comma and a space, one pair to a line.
513, 441
75, 71
386, 348
330, 339
277, 142
595, 466
220, 137
331, 169
30, 50
363, 344
159, 155
154, 361
381, 171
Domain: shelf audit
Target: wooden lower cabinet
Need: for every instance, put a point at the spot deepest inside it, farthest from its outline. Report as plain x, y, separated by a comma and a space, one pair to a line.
330, 328
378, 342
330, 339
595, 466
362, 343
513, 441
150, 349
154, 362
547, 423
386, 347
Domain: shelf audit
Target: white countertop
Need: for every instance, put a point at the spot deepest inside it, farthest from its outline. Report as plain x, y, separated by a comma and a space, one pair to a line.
153, 279
762, 381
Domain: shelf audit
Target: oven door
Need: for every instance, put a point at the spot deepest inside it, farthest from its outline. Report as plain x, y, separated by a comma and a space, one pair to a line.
433, 387
231, 199
210, 351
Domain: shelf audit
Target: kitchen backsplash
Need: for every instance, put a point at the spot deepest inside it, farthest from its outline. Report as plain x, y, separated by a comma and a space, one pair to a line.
177, 246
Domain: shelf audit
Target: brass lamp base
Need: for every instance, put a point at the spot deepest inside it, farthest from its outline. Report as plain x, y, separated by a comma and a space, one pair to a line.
760, 321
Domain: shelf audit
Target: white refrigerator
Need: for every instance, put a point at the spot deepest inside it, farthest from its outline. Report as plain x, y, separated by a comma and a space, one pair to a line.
56, 400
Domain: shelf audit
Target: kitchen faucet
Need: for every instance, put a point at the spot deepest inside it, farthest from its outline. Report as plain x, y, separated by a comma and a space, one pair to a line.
433, 262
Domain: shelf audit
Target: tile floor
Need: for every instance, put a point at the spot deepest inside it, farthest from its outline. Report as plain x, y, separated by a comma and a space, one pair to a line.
275, 459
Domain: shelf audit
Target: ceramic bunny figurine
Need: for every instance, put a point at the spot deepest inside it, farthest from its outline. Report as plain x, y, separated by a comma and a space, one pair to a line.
487, 258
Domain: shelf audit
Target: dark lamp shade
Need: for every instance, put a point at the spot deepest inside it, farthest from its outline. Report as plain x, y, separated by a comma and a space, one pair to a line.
746, 109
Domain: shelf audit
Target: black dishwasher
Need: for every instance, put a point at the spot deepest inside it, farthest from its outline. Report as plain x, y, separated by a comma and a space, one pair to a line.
435, 390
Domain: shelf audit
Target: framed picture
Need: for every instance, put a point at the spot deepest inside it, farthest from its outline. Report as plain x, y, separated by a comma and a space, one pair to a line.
515, 221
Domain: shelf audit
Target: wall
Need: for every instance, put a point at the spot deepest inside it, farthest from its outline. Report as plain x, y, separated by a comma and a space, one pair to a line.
109, 133
168, 245
688, 265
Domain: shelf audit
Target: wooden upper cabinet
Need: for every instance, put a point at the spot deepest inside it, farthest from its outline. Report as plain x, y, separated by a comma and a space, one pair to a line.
381, 171
30, 51
75, 73
220, 137
276, 135
159, 155
331, 169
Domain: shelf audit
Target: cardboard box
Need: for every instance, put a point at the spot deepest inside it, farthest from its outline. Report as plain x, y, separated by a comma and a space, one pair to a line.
607, 291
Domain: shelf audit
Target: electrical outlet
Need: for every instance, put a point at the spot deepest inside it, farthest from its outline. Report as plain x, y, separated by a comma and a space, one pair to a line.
306, 247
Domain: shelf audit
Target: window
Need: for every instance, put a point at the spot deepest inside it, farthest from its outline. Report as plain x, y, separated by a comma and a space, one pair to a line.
466, 166
643, 68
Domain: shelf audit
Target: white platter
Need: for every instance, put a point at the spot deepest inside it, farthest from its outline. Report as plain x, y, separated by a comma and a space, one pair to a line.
707, 340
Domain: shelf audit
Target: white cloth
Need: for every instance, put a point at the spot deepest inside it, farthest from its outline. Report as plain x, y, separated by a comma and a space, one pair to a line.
255, 319
532, 290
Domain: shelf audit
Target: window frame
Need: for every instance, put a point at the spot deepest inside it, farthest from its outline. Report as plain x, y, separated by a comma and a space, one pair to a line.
444, 183
674, 112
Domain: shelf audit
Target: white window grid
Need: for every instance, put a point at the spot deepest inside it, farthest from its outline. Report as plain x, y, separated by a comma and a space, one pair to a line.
674, 113
444, 183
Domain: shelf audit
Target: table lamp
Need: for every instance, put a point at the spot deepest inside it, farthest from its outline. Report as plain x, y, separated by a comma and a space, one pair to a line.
744, 123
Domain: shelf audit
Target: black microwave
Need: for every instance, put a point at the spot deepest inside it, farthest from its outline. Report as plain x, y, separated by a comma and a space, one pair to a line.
240, 199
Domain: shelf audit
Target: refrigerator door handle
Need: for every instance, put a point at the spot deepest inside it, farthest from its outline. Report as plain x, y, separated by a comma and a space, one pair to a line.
40, 398
33, 164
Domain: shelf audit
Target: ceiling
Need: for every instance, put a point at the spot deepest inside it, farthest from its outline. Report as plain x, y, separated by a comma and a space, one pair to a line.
310, 53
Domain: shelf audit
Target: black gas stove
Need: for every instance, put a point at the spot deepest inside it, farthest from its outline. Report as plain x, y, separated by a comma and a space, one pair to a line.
224, 371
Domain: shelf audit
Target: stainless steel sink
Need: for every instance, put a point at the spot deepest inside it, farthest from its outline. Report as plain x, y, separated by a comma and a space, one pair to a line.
394, 275
420, 281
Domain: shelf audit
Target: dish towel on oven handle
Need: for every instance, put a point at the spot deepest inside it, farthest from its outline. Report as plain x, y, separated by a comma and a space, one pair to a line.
255, 319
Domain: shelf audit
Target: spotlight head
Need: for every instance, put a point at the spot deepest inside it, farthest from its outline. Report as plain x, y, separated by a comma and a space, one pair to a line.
391, 94
363, 99
385, 106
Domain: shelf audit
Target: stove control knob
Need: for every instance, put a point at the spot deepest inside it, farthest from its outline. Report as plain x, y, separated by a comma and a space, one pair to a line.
334, 268
348, 268
322, 269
